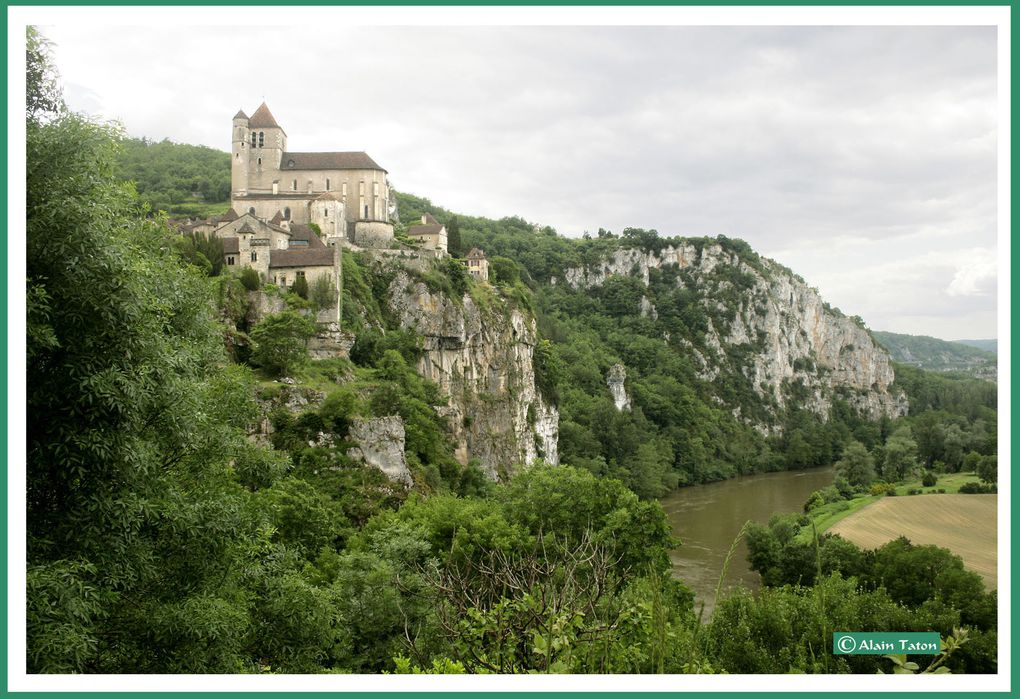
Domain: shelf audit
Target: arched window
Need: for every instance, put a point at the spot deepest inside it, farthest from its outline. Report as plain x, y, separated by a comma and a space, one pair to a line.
262, 138
251, 210
260, 161
253, 139
286, 213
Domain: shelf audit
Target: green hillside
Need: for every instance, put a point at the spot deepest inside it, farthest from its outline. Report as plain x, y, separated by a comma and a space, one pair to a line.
181, 179
939, 355
986, 345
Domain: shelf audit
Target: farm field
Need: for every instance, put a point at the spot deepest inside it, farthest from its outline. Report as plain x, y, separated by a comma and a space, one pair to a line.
964, 524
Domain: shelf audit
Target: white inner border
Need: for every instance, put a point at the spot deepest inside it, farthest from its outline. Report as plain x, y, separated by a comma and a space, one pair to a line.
20, 17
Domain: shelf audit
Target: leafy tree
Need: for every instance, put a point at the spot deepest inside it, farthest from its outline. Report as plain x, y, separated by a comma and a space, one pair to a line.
280, 342
453, 243
457, 274
503, 270
323, 293
988, 469
133, 421
900, 455
250, 279
856, 466
44, 96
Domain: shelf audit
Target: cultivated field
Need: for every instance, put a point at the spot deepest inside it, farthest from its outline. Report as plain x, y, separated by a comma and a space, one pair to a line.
964, 524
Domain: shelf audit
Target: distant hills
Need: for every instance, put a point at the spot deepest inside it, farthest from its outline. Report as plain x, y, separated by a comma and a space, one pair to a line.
973, 357
987, 345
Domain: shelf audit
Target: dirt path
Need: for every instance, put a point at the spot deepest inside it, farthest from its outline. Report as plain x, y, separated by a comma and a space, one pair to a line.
964, 524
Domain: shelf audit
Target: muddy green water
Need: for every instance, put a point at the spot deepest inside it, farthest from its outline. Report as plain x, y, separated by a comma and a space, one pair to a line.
706, 518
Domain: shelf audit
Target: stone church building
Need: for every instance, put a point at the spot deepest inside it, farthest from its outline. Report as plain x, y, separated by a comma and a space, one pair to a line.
346, 194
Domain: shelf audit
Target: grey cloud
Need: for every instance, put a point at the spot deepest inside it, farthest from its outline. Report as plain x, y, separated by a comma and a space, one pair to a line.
790, 137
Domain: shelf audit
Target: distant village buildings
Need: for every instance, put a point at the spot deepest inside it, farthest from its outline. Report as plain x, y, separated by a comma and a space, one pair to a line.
291, 212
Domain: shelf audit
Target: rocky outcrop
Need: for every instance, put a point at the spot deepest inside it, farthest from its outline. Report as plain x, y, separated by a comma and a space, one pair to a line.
481, 358
380, 443
788, 338
616, 379
330, 342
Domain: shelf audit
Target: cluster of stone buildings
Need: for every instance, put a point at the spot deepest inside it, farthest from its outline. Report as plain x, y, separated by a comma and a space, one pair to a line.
291, 211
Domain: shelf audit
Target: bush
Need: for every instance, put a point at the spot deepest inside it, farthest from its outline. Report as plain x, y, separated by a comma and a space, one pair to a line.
280, 341
975, 488
881, 488
929, 480
323, 295
250, 279
913, 491
300, 287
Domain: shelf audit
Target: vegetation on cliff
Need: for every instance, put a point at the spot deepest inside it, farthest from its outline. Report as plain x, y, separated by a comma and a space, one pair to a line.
162, 538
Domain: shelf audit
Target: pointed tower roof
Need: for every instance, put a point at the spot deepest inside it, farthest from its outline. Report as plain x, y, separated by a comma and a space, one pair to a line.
264, 118
240, 114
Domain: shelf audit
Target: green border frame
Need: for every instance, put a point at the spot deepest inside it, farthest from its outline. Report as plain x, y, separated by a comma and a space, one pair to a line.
540, 694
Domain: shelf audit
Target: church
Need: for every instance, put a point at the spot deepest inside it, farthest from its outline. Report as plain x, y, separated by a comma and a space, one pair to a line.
346, 194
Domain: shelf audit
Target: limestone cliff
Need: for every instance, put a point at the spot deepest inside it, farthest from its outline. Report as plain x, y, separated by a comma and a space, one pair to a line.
481, 358
774, 328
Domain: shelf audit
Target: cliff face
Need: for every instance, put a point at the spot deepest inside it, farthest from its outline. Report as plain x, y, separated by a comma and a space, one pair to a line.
482, 359
789, 341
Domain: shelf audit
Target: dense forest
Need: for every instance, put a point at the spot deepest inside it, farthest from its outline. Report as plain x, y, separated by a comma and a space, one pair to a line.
181, 179
163, 538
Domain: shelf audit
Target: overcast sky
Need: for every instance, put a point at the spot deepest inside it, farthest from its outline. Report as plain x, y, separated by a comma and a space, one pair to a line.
863, 158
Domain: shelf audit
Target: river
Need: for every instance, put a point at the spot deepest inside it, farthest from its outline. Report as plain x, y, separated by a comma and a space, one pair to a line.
706, 518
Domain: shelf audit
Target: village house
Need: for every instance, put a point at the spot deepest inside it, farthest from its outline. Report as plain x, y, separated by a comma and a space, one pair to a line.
431, 234
478, 265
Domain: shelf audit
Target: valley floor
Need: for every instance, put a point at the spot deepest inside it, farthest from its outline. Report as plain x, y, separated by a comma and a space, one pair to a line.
964, 524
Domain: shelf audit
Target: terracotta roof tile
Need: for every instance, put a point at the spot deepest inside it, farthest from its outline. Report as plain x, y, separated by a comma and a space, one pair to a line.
263, 117
231, 246
476, 254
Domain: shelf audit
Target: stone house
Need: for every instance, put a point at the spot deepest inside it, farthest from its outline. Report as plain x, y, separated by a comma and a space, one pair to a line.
345, 193
478, 265
431, 234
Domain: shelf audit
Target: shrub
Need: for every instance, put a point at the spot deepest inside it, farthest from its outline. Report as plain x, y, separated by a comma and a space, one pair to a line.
250, 279
323, 295
975, 488
300, 287
929, 480
881, 488
913, 491
280, 341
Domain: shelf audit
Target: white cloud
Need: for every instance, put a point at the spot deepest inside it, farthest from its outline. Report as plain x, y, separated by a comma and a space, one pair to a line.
797, 139
977, 277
